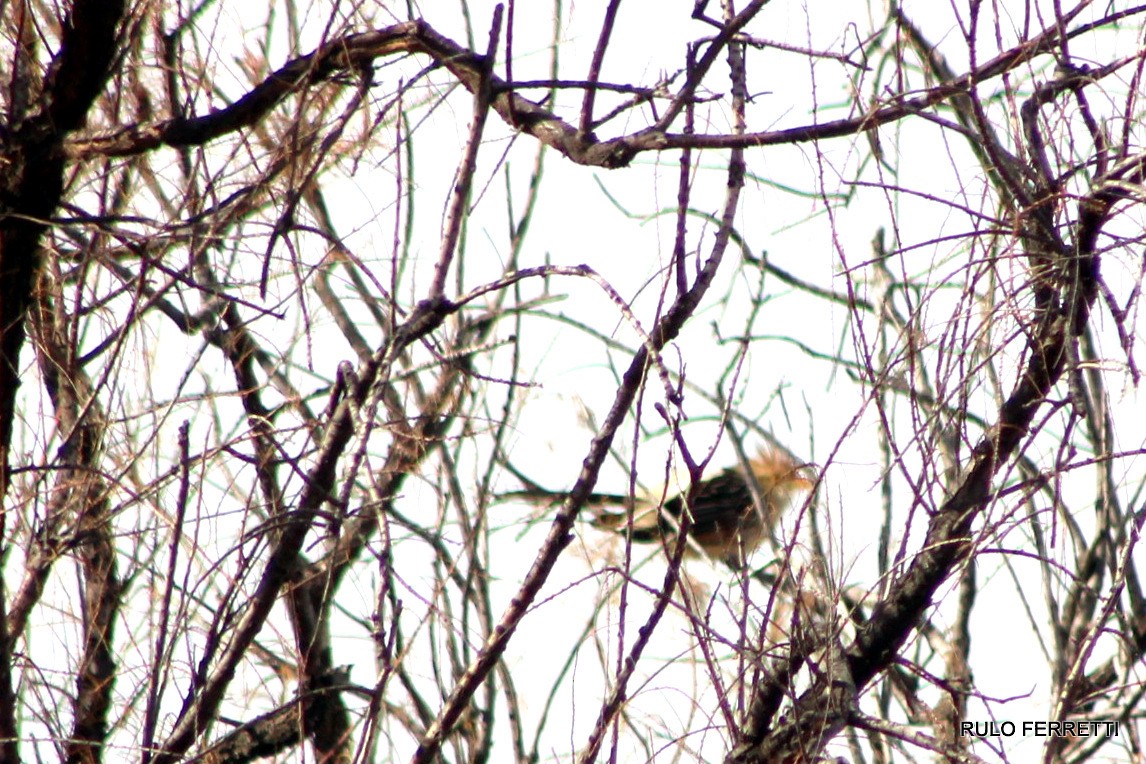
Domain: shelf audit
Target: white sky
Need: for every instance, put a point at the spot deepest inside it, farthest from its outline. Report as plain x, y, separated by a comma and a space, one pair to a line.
614, 221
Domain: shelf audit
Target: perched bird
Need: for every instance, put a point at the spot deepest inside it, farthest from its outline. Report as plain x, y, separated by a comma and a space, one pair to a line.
726, 522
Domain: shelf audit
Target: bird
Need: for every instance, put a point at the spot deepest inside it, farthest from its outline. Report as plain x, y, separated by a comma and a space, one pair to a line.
726, 523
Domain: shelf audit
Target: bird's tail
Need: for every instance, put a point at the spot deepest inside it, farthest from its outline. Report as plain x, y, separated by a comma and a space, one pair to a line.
646, 525
607, 511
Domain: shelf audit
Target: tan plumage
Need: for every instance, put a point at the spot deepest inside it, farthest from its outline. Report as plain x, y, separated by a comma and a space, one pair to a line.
726, 522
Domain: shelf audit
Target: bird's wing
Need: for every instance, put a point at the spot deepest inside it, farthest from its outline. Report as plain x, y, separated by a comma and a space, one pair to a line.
718, 504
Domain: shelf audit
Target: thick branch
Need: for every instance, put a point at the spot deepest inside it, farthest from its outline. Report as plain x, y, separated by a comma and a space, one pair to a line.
30, 190
354, 52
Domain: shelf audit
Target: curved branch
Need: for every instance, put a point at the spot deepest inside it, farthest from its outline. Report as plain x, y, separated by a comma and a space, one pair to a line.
356, 52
